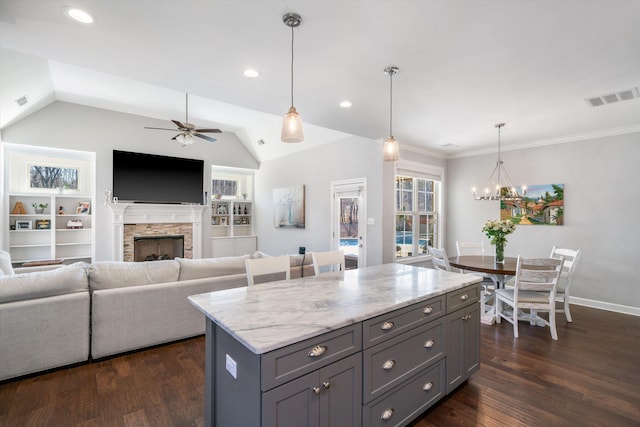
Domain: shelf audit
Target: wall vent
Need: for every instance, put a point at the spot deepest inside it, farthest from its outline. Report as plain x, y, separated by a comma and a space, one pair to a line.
610, 98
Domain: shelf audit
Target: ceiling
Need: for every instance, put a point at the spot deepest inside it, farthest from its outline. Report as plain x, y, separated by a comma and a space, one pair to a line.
464, 66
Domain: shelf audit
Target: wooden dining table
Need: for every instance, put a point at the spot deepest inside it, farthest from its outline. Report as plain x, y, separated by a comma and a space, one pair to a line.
488, 265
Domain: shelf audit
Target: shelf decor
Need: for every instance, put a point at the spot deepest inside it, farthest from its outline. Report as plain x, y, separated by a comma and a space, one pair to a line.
24, 224
497, 231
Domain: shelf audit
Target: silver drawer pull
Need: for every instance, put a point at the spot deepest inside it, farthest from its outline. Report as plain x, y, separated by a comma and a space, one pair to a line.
387, 414
429, 344
466, 317
317, 351
326, 385
464, 297
386, 326
388, 364
316, 390
427, 310
428, 386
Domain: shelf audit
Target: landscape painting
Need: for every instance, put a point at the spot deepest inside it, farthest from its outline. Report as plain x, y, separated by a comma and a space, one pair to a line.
288, 207
541, 205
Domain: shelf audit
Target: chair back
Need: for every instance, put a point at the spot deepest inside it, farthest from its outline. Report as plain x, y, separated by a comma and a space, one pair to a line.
439, 259
537, 274
470, 248
570, 257
273, 266
332, 259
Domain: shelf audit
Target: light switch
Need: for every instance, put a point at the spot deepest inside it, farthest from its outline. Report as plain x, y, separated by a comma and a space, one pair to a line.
232, 366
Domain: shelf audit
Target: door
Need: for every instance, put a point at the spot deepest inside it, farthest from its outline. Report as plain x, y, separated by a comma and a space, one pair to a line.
349, 221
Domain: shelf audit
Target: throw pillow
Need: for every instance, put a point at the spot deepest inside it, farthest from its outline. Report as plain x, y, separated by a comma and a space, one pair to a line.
5, 263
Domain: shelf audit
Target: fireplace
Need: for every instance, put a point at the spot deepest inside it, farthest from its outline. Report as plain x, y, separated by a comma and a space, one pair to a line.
156, 248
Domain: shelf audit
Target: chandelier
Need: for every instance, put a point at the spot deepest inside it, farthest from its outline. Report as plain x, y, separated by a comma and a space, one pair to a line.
499, 186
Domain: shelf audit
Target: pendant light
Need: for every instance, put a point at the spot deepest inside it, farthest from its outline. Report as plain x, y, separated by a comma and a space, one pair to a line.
499, 186
390, 149
292, 123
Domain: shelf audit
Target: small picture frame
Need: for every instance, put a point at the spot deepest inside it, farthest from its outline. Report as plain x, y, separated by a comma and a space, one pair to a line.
222, 209
223, 220
43, 224
84, 208
214, 221
24, 224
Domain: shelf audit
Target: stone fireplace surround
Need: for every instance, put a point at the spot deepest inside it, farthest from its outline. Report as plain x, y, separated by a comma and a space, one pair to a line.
155, 220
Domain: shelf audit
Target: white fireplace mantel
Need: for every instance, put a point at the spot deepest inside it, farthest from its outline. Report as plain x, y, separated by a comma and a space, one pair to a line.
142, 213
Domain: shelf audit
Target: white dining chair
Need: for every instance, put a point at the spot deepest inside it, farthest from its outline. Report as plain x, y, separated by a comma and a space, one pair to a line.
571, 258
534, 289
489, 282
333, 260
439, 259
276, 268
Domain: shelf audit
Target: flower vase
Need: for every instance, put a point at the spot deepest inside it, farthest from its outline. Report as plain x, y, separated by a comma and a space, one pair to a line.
500, 252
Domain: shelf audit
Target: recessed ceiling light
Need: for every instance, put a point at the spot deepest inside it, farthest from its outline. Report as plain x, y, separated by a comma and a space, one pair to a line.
249, 72
346, 104
79, 15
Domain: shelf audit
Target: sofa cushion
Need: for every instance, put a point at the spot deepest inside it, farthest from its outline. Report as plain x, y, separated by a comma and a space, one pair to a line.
114, 274
65, 280
5, 263
211, 267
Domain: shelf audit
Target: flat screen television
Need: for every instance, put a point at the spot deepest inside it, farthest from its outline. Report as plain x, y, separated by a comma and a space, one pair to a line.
150, 178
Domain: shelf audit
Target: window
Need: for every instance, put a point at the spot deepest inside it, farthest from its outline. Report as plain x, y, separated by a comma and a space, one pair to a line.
417, 211
231, 183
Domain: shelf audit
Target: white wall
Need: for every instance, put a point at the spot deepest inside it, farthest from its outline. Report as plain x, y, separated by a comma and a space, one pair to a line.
315, 168
600, 216
76, 127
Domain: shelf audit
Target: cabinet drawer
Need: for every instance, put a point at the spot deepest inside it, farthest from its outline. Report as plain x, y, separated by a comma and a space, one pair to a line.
392, 362
285, 364
389, 325
462, 297
407, 402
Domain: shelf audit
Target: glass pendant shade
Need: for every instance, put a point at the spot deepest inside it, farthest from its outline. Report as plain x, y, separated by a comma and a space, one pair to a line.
390, 149
184, 138
292, 127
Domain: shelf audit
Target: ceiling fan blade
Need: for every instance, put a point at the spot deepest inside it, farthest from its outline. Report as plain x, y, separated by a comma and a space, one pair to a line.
208, 138
176, 137
180, 125
147, 127
208, 130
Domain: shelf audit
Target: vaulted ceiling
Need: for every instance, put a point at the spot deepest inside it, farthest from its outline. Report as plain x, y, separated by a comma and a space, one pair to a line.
464, 66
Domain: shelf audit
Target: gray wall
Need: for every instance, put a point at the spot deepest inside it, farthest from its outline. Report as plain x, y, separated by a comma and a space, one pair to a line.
601, 205
77, 127
349, 158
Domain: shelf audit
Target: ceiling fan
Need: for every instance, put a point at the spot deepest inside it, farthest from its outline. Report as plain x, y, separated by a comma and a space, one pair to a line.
188, 130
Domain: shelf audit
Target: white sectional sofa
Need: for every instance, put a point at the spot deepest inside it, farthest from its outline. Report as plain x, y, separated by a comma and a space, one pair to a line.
76, 312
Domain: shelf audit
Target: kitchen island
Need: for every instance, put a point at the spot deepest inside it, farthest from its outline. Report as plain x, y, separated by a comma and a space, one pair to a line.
371, 346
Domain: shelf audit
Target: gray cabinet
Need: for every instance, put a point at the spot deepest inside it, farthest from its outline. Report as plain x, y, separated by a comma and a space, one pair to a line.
381, 371
327, 397
463, 343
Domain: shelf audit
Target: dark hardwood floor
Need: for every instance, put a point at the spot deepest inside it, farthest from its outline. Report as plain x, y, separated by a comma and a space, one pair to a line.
589, 377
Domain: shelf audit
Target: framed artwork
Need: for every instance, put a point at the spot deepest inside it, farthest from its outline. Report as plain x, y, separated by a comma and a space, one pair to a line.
25, 224
222, 209
43, 224
541, 205
41, 176
223, 220
84, 208
288, 207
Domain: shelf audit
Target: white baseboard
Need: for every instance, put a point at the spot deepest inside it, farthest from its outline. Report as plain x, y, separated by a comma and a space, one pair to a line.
618, 308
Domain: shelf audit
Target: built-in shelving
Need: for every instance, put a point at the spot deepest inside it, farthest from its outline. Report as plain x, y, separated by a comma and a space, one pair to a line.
232, 228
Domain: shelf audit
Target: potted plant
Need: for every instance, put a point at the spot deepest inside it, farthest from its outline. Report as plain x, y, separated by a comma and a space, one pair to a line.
39, 207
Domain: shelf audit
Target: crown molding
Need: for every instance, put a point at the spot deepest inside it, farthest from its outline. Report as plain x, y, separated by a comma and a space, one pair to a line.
423, 151
603, 133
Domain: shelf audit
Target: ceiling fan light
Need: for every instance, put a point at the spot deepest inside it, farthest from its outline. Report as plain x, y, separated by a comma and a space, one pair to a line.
390, 149
185, 138
292, 127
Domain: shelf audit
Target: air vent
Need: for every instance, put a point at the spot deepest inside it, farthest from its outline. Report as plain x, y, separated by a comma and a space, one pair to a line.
610, 98
22, 101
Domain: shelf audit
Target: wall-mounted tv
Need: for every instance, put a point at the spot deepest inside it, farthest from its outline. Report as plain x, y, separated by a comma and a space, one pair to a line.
150, 178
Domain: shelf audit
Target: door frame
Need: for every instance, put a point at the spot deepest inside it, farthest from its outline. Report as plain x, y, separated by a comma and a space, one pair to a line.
346, 185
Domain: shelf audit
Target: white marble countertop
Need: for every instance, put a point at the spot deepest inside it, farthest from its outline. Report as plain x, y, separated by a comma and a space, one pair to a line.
272, 315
